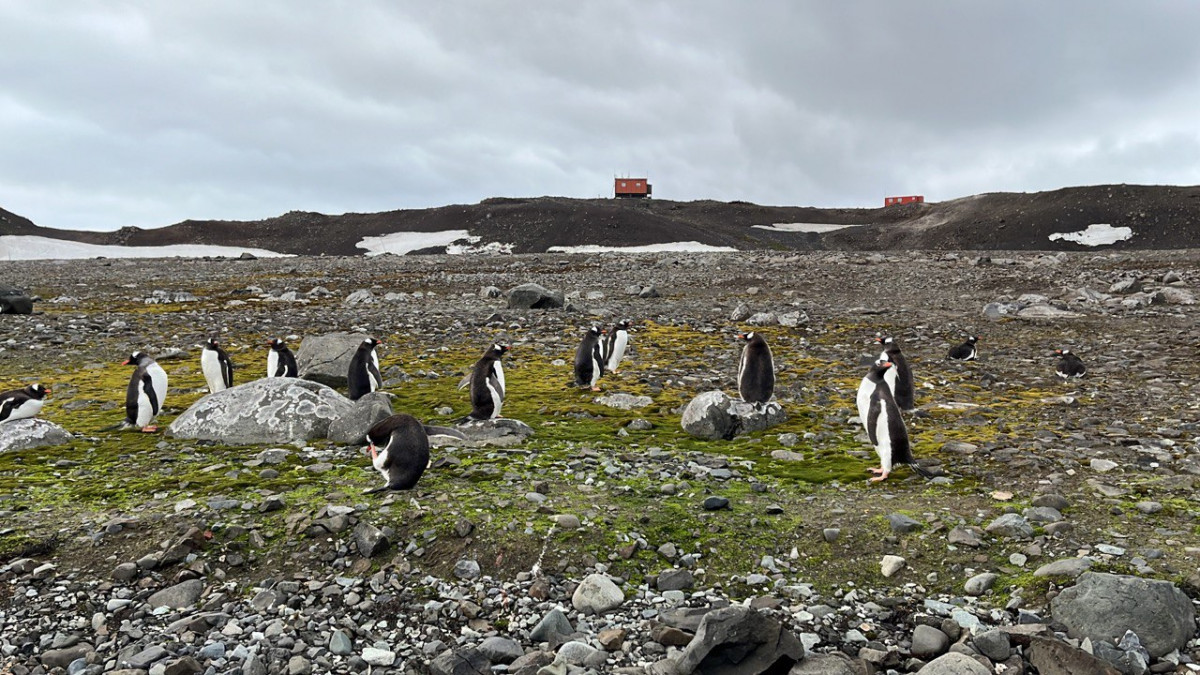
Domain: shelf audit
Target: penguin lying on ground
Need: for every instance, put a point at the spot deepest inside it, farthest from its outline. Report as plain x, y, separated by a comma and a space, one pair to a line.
146, 392
589, 362
280, 360
216, 366
615, 344
885, 428
399, 448
1069, 365
487, 384
20, 404
364, 370
756, 370
965, 351
899, 377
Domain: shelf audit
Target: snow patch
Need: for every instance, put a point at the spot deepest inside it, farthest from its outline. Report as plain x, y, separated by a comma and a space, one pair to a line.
400, 243
1100, 234
804, 227
673, 247
28, 247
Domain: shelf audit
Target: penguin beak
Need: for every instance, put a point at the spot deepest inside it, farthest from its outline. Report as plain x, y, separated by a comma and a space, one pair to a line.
126, 362
886, 364
1058, 351
48, 390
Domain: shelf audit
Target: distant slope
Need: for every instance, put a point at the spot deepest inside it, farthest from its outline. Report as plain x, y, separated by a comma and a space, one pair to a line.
1160, 217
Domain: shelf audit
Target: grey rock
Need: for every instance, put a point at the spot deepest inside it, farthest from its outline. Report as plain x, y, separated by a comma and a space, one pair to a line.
375, 656
490, 292
14, 300
554, 623
675, 580
298, 665
1042, 514
1103, 606
1067, 567
32, 432
980, 583
61, 658
740, 313
371, 541
179, 596
739, 640
534, 296
1054, 501
624, 401
597, 594
1010, 525
1053, 657
326, 358
502, 432
351, 428
965, 536
955, 663
714, 415
269, 410
902, 524
1127, 285
830, 664
362, 296
145, 658
576, 653
993, 644
465, 661
501, 649
466, 570
928, 641
891, 564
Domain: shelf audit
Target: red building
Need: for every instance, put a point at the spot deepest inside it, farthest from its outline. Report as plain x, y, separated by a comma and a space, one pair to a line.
631, 187
909, 199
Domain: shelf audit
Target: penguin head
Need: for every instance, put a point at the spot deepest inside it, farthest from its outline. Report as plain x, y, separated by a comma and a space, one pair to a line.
211, 343
972, 339
624, 324
37, 391
746, 337
371, 343
879, 369
498, 350
1062, 352
135, 359
276, 344
596, 331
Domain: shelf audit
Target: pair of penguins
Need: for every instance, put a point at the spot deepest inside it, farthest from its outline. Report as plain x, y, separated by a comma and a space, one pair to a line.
600, 350
1069, 364
218, 368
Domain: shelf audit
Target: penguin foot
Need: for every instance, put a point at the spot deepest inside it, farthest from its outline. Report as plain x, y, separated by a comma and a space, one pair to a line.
882, 475
149, 429
595, 388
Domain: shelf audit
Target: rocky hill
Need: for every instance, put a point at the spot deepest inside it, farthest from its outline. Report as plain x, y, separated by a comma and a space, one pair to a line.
1157, 217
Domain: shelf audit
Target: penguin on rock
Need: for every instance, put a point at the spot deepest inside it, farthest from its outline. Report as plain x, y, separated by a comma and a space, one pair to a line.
146, 392
899, 377
281, 362
1069, 364
885, 428
486, 380
399, 447
615, 344
24, 403
589, 361
756, 370
216, 366
364, 370
966, 351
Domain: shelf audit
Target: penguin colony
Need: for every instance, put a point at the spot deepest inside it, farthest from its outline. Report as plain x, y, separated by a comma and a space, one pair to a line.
399, 444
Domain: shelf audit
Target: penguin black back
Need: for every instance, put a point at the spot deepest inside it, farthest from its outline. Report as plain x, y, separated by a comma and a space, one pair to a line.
22, 403
364, 374
756, 370
281, 362
216, 366
1069, 364
965, 351
589, 361
399, 447
902, 385
487, 384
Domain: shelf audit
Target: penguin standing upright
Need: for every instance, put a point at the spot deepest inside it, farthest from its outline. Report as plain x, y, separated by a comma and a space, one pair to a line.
280, 360
216, 366
589, 362
1069, 364
966, 351
885, 428
899, 377
756, 370
20, 404
364, 370
615, 344
486, 380
146, 392
399, 447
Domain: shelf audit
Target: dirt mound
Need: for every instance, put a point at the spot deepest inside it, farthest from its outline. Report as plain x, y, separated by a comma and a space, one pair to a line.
1160, 217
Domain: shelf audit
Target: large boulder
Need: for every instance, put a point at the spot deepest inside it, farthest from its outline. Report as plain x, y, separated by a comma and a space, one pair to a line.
534, 296
352, 427
740, 640
1103, 606
714, 415
31, 432
955, 663
326, 358
14, 300
270, 410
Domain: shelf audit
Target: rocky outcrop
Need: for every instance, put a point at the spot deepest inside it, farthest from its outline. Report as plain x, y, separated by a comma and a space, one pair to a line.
29, 433
714, 415
326, 358
14, 300
270, 410
351, 428
534, 296
740, 640
1103, 606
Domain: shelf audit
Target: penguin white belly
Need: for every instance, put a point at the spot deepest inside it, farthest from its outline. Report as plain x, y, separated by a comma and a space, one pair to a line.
863, 399
500, 376
210, 365
374, 375
883, 445
890, 376
618, 350
971, 356
158, 381
597, 367
497, 399
380, 462
29, 408
272, 363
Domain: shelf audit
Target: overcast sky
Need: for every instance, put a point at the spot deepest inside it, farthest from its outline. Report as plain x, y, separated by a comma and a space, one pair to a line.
148, 113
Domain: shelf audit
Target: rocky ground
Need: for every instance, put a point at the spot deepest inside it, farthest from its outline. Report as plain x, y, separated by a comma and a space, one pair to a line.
599, 543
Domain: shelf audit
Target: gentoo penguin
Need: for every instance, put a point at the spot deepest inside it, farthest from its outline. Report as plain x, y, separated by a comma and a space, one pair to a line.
216, 366
146, 392
399, 448
487, 384
280, 360
885, 428
1070, 365
899, 377
20, 404
589, 362
364, 370
614, 345
756, 370
965, 351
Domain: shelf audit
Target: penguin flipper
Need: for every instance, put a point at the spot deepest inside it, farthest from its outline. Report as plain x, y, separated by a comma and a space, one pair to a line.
371, 491
445, 431
462, 384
